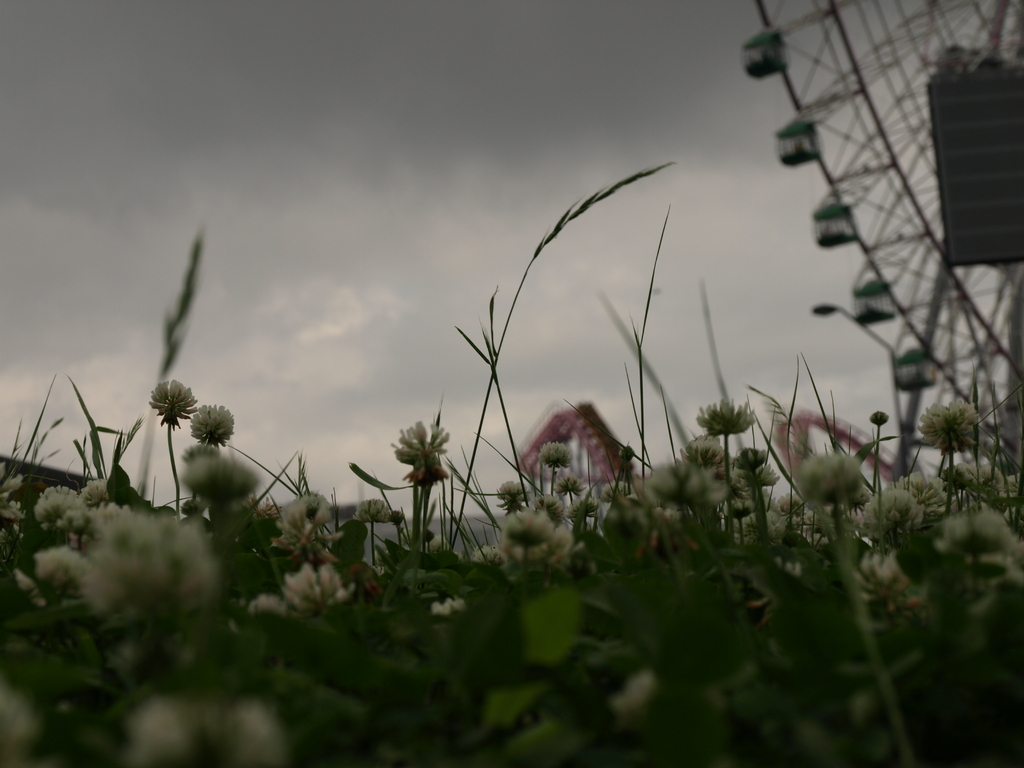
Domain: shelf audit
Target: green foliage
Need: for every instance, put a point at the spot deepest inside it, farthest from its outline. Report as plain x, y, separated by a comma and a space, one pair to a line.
663, 636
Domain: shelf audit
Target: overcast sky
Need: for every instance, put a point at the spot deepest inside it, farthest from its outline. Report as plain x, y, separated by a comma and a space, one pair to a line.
365, 176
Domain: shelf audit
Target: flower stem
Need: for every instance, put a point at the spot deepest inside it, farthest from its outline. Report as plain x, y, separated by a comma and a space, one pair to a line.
174, 472
949, 486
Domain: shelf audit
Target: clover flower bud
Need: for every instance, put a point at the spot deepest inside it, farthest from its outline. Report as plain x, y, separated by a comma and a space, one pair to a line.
213, 425
879, 418
172, 400
950, 427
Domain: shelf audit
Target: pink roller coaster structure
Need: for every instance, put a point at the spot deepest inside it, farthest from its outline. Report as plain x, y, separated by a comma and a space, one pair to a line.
793, 440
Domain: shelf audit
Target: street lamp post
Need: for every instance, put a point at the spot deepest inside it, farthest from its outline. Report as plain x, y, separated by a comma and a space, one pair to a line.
906, 430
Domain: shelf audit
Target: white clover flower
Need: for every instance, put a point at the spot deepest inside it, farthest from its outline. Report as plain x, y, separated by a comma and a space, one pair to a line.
776, 524
788, 506
94, 493
555, 455
950, 428
764, 476
146, 564
82, 524
180, 732
551, 505
617, 491
570, 485
991, 479
213, 425
9, 485
977, 536
897, 509
172, 400
792, 567
11, 512
524, 532
373, 511
510, 496
881, 577
438, 544
587, 506
630, 704
25, 584
63, 569
556, 550
488, 554
684, 484
53, 504
19, 727
268, 603
930, 494
725, 418
311, 591
301, 524
264, 510
423, 451
666, 515
834, 478
448, 607
705, 451
218, 479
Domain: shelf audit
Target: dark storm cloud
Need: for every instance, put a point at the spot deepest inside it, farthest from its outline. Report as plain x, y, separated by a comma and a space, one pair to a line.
109, 96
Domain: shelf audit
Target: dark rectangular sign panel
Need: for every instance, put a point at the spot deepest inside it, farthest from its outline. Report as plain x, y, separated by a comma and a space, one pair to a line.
978, 126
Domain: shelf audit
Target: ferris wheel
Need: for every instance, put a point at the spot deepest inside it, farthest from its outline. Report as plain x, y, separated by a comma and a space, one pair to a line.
913, 111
